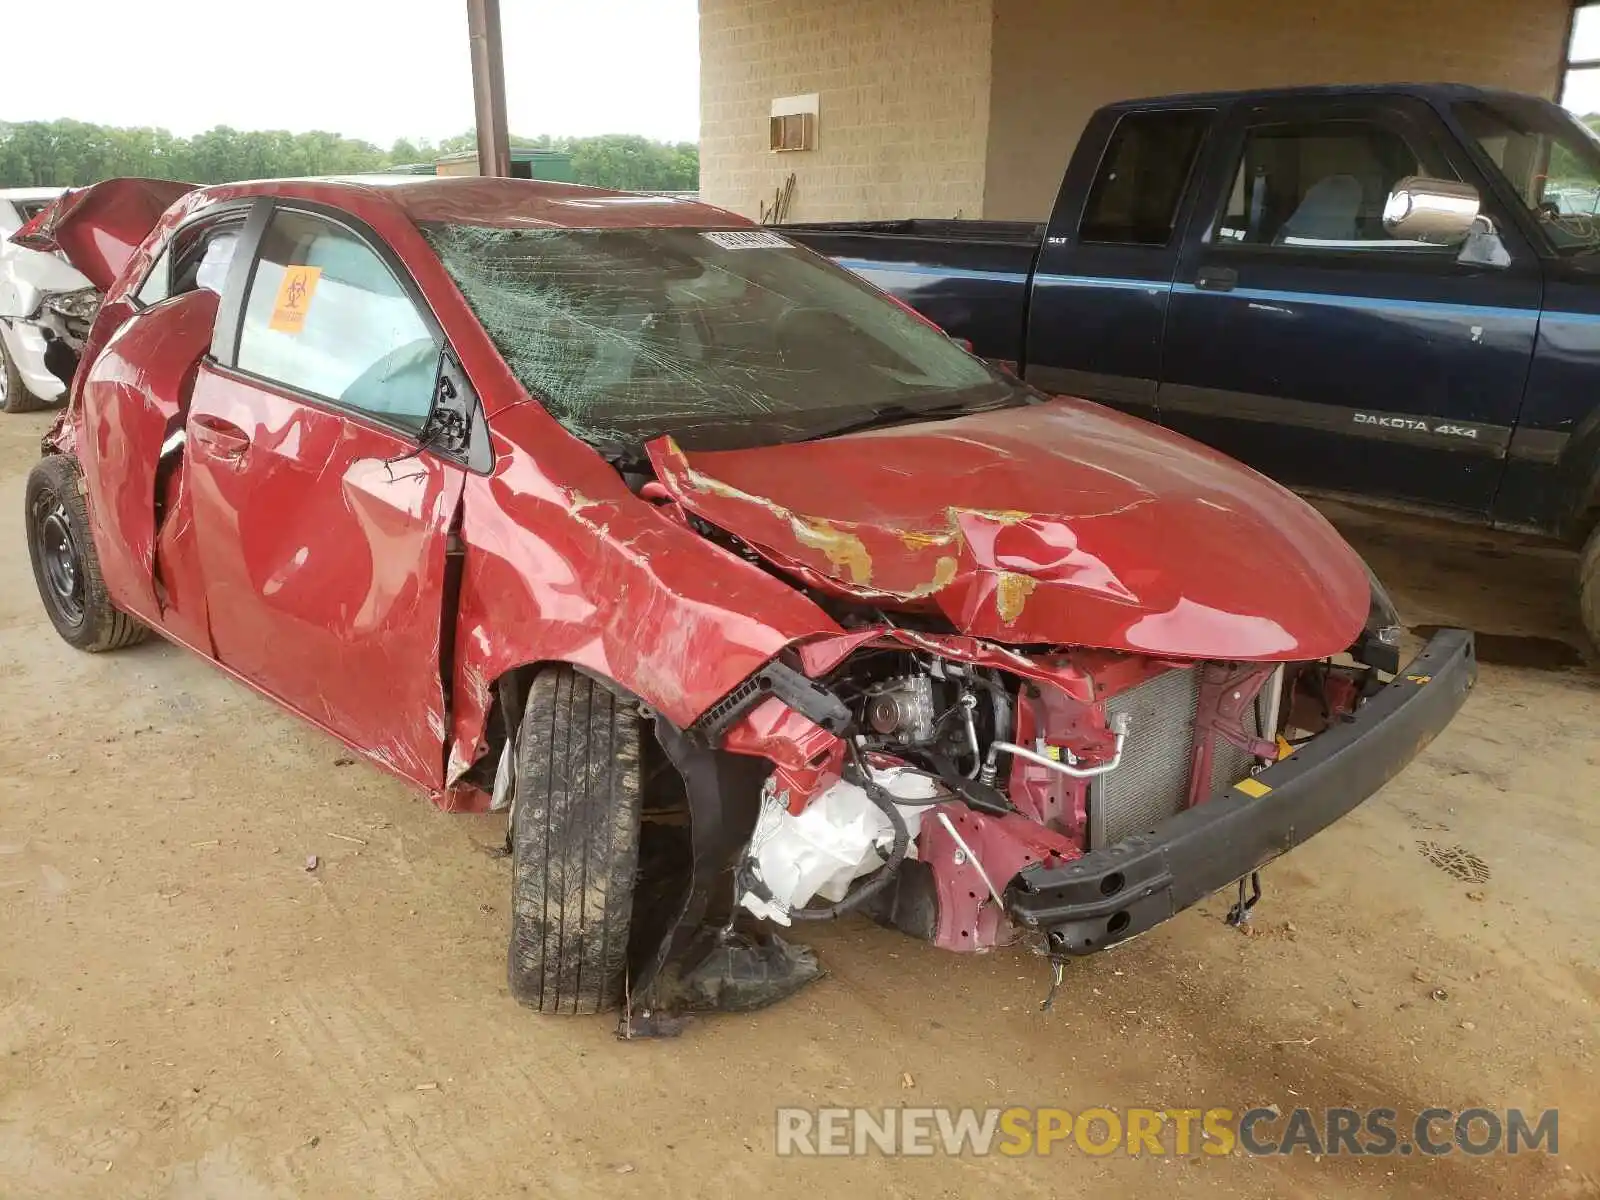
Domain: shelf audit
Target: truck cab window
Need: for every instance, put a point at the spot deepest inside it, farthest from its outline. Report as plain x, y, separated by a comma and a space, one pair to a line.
1135, 196
1550, 160
1321, 185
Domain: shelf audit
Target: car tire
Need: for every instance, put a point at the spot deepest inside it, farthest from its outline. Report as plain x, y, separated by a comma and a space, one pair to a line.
65, 565
574, 844
1589, 588
14, 394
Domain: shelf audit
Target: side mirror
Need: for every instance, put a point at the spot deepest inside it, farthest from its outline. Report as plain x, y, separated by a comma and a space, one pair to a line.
1440, 211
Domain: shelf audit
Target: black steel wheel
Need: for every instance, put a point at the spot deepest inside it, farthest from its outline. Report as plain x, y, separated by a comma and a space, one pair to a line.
65, 566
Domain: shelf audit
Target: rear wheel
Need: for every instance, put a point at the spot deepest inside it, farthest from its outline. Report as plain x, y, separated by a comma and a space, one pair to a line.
14, 394
1589, 588
574, 844
65, 566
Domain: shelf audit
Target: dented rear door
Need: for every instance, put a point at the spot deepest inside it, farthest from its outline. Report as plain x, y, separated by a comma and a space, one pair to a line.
133, 397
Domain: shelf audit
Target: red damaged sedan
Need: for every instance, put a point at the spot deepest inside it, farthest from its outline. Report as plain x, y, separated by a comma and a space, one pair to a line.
749, 594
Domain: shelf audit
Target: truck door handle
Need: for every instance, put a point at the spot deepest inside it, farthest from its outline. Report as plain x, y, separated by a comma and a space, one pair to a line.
1216, 279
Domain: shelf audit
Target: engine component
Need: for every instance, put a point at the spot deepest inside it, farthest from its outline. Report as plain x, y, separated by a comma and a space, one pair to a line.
968, 703
1155, 778
902, 708
840, 836
1153, 782
1066, 764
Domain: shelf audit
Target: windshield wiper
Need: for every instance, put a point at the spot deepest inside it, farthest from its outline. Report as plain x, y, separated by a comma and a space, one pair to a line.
903, 414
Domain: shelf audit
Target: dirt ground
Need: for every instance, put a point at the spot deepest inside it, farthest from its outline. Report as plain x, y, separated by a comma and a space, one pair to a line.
186, 1011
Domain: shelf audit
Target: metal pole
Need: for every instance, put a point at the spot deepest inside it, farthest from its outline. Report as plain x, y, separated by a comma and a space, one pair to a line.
489, 87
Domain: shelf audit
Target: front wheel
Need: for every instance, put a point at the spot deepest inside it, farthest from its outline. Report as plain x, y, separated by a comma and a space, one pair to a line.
574, 843
64, 562
1589, 588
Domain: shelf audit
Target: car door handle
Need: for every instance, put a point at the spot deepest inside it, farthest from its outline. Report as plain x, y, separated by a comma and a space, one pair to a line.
1216, 279
222, 438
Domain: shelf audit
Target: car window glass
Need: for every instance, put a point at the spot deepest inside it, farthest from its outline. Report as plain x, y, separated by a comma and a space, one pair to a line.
325, 315
1135, 197
215, 259
1322, 185
155, 287
194, 258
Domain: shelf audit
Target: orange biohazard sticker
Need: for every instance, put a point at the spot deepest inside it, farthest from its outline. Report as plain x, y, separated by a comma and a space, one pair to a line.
294, 298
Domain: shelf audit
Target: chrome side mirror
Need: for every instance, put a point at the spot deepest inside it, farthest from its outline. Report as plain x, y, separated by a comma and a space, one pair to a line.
1438, 211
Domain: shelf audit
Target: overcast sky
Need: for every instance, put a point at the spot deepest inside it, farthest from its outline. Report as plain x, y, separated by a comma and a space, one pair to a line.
373, 69
383, 69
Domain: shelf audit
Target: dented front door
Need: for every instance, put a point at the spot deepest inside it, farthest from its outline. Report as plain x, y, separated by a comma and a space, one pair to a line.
322, 527
322, 541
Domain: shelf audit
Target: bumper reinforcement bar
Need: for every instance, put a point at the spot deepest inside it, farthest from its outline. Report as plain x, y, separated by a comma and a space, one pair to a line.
1110, 895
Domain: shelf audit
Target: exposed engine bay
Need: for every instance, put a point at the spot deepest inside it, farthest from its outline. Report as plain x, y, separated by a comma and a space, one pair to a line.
940, 779
64, 319
956, 773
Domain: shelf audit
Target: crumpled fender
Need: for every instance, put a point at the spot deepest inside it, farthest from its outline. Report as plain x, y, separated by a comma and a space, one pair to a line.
587, 573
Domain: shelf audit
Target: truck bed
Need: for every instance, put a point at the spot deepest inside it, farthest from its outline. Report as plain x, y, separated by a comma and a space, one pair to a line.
1027, 233
971, 277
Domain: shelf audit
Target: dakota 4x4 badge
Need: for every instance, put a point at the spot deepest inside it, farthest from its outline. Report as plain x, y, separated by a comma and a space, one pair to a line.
1417, 425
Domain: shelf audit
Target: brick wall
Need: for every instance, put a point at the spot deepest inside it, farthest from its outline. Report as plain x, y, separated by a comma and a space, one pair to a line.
940, 107
1056, 61
903, 118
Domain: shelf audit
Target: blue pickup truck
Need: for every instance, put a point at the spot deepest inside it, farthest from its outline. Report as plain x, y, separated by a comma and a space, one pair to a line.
1390, 293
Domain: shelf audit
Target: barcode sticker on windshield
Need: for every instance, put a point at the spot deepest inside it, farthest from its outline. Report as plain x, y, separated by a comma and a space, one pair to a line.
747, 239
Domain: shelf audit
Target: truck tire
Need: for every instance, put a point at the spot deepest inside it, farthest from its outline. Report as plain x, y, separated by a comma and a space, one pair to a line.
65, 565
1589, 588
574, 844
14, 394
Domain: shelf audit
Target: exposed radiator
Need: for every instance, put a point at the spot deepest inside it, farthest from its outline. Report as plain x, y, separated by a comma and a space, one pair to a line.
1152, 783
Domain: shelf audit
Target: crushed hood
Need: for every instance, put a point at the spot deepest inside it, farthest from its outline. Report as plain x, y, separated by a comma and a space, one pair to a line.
97, 228
1060, 523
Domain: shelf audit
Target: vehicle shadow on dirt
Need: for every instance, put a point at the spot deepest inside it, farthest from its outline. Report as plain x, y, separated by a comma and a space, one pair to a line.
1518, 594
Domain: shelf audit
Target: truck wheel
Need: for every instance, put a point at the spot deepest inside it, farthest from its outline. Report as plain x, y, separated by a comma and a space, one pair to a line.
1589, 588
574, 844
14, 394
64, 563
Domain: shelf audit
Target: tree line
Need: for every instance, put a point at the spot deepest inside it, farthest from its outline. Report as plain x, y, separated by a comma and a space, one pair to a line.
71, 153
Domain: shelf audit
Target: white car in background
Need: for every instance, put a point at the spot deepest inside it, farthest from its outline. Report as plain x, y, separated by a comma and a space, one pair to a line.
43, 302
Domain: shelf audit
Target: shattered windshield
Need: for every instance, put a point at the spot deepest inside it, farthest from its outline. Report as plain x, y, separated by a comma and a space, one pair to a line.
724, 339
